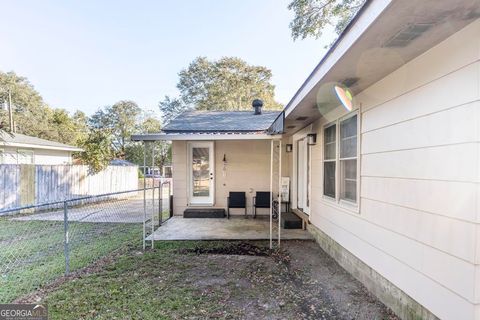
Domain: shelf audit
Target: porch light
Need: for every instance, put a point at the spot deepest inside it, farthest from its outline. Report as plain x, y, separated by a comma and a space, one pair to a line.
289, 147
312, 139
224, 169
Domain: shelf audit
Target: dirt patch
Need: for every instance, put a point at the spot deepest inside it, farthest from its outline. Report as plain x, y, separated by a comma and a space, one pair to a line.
242, 248
300, 281
226, 280
327, 290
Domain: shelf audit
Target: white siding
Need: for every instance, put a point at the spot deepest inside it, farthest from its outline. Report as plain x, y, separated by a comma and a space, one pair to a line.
41, 156
52, 157
418, 222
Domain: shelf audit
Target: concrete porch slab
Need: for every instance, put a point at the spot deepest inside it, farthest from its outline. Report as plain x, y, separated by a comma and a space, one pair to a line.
235, 228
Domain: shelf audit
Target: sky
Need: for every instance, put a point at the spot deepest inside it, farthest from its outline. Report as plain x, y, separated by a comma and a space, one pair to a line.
89, 54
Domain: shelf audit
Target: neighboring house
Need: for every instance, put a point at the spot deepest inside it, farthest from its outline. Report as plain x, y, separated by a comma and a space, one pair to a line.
18, 148
389, 182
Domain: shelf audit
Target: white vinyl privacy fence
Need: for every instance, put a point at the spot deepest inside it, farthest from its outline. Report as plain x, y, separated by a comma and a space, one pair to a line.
22, 185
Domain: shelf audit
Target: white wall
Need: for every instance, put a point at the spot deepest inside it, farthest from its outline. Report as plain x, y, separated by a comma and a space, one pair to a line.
418, 222
41, 156
247, 169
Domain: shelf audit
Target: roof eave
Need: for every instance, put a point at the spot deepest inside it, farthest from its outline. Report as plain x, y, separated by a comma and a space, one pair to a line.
36, 146
202, 136
354, 30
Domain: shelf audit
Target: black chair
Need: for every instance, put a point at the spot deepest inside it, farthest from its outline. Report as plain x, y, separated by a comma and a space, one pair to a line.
262, 199
236, 200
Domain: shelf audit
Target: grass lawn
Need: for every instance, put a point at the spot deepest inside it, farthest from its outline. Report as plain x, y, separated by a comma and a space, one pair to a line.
213, 279
34, 250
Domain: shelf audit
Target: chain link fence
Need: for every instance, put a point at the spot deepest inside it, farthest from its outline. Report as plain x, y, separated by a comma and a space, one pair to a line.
40, 243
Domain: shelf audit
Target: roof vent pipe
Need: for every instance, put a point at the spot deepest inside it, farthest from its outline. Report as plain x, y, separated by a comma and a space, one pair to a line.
257, 105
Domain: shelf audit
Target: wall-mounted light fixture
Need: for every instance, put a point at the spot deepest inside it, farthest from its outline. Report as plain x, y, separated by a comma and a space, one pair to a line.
311, 139
224, 169
289, 147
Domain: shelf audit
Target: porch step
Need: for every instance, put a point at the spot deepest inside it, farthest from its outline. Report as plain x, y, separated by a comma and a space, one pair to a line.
204, 213
291, 221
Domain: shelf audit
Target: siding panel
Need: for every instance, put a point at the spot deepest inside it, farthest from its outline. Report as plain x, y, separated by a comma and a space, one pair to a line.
432, 97
451, 162
451, 199
451, 126
449, 235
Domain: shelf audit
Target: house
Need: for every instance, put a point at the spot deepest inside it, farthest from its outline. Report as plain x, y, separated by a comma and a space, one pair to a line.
18, 148
382, 147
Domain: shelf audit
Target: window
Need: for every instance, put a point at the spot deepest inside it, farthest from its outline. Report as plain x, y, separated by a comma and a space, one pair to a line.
348, 159
340, 159
329, 163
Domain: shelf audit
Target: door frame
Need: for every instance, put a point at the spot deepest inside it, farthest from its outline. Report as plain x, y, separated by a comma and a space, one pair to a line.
205, 201
307, 171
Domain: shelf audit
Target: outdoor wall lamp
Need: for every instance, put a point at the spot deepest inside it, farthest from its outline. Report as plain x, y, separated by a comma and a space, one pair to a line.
312, 139
289, 147
224, 170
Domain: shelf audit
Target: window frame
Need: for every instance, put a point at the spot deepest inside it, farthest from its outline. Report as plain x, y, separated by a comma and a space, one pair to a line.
307, 178
325, 127
338, 201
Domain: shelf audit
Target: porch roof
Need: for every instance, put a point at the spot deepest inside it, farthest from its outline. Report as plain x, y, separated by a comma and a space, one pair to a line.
221, 122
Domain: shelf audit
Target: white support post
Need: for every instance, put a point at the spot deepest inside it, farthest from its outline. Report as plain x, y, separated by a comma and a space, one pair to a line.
144, 193
279, 190
153, 195
271, 194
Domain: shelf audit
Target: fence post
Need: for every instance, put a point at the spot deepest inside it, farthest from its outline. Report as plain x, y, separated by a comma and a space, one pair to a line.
160, 203
170, 199
144, 193
66, 240
152, 244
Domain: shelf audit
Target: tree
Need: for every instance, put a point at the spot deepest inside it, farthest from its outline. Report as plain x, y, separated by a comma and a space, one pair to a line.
120, 120
161, 149
312, 16
97, 150
68, 129
31, 114
226, 84
171, 107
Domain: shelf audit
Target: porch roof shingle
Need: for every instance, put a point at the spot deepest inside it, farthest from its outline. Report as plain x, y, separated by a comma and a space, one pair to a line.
221, 121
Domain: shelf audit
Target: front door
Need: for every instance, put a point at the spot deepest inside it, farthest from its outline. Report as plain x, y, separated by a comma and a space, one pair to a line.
201, 173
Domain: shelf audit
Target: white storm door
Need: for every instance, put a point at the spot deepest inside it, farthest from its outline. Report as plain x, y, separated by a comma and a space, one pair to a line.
201, 173
300, 175
303, 176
